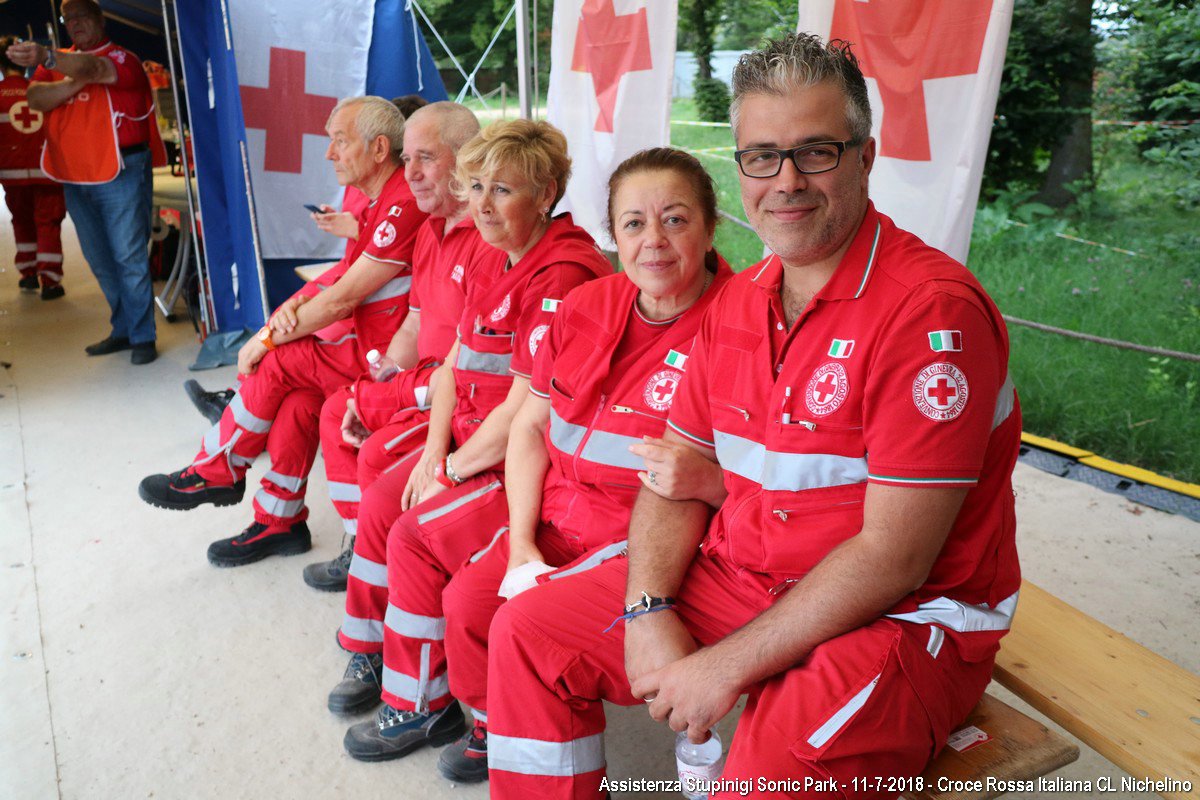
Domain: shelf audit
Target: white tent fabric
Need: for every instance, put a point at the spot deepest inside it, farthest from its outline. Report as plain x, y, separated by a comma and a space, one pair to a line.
933, 72
611, 68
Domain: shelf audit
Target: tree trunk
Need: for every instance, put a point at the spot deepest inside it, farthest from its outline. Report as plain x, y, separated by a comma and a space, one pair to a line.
1071, 160
704, 19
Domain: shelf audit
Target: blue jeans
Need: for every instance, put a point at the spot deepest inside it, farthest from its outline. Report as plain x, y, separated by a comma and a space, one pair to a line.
113, 223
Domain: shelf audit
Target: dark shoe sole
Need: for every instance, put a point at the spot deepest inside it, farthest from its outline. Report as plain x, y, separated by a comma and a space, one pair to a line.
434, 741
323, 587
140, 356
289, 549
53, 293
450, 774
366, 704
93, 350
180, 505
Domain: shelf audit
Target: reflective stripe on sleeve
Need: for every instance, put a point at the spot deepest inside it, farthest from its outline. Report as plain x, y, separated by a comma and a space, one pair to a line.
1006, 401
415, 626
537, 757
368, 571
787, 472
396, 287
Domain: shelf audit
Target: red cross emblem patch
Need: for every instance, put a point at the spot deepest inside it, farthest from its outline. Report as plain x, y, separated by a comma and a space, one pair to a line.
827, 389
385, 234
535, 338
940, 391
24, 118
501, 311
660, 389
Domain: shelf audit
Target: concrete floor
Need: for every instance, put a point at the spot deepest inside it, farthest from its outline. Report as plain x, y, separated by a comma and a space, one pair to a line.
129, 667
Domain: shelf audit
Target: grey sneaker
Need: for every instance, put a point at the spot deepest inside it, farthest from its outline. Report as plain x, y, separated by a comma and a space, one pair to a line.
395, 733
330, 576
359, 689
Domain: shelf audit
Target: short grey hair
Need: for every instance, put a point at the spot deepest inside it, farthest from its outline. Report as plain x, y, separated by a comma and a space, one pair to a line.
376, 117
798, 61
456, 124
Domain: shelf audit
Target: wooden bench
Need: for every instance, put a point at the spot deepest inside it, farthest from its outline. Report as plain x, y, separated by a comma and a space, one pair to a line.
1136, 708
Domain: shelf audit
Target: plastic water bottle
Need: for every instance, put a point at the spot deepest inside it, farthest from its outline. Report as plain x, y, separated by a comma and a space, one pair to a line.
699, 764
381, 367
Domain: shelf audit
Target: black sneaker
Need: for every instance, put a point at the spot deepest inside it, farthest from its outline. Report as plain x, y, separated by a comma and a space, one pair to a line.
111, 344
185, 489
52, 292
359, 689
210, 404
28, 283
256, 543
465, 761
330, 576
395, 733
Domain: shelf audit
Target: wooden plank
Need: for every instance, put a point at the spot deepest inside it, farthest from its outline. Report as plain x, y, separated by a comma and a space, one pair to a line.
1134, 707
1018, 749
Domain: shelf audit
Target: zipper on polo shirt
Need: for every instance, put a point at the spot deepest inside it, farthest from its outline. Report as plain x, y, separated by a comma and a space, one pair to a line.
742, 411
575, 458
782, 586
628, 410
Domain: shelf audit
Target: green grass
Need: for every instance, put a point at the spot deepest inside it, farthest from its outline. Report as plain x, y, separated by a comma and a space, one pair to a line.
1125, 406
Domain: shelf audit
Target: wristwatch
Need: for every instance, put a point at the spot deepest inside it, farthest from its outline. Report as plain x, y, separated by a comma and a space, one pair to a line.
646, 602
444, 473
51, 59
264, 336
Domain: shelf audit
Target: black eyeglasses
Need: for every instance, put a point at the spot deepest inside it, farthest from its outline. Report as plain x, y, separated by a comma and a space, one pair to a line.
810, 159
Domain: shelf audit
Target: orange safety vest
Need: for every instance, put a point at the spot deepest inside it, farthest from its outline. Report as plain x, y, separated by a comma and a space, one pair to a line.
81, 139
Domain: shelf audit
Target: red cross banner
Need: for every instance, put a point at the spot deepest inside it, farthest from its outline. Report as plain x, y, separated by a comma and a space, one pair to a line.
611, 67
933, 73
293, 67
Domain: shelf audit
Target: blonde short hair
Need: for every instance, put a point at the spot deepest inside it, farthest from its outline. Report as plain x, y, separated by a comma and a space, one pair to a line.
534, 149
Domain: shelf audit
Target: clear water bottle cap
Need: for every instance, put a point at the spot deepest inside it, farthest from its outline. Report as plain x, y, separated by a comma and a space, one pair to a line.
373, 356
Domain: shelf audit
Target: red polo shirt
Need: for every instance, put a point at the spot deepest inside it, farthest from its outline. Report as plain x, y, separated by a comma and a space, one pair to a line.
895, 373
440, 263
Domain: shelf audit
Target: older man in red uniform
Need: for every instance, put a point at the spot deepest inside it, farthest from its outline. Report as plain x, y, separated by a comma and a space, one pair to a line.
285, 360
36, 202
856, 582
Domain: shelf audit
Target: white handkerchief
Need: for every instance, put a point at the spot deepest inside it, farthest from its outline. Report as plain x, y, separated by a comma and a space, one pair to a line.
522, 578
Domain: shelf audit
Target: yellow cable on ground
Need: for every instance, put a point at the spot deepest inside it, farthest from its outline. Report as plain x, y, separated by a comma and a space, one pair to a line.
1090, 459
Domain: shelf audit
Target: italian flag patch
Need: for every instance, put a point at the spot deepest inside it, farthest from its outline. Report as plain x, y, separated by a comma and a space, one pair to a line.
841, 348
550, 305
945, 341
675, 359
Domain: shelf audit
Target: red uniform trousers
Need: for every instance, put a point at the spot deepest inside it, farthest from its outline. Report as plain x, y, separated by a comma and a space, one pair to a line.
424, 549
471, 600
347, 476
385, 462
872, 702
277, 409
37, 214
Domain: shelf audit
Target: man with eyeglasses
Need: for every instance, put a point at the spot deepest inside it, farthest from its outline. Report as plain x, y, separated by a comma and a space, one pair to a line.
98, 135
856, 582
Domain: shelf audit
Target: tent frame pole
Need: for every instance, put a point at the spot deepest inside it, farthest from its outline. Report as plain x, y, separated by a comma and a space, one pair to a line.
524, 73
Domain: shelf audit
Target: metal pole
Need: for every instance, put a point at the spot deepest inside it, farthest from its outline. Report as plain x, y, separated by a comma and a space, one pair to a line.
524, 99
189, 188
51, 28
262, 274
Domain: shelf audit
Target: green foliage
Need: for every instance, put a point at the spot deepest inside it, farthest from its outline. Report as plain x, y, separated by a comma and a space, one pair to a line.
712, 99
746, 24
1033, 113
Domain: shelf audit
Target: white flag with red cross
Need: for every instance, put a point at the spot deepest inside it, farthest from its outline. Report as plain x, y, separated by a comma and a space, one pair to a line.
933, 73
293, 66
611, 67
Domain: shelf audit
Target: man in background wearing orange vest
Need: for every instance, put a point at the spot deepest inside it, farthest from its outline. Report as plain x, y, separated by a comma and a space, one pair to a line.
97, 145
36, 202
